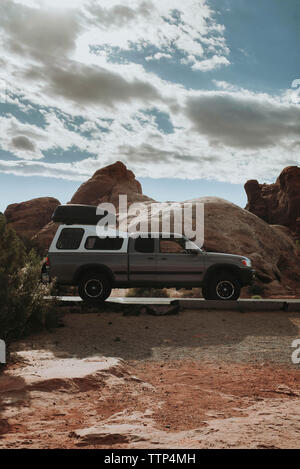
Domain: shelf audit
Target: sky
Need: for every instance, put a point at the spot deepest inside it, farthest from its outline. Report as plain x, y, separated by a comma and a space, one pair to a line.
195, 97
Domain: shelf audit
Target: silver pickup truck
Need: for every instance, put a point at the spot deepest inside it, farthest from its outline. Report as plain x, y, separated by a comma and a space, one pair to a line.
77, 256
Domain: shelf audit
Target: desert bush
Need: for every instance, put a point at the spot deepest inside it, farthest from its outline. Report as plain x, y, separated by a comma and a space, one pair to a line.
147, 293
22, 305
30, 244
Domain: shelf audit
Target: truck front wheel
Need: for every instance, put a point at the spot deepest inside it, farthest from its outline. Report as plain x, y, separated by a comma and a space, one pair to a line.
223, 286
94, 287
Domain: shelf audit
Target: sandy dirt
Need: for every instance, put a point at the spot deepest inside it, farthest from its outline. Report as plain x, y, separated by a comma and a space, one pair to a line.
197, 379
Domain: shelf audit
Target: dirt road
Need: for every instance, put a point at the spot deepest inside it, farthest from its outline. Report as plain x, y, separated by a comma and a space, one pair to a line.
194, 380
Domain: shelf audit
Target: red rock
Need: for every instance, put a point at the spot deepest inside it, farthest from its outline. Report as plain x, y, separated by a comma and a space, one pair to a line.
27, 218
277, 203
106, 185
44, 237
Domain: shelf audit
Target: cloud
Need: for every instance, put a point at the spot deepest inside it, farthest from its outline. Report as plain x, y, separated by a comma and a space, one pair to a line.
170, 26
95, 85
118, 15
31, 168
22, 142
210, 64
37, 32
82, 69
158, 56
243, 119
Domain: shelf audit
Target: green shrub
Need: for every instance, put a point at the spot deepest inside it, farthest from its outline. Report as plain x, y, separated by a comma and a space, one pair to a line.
30, 244
22, 305
147, 293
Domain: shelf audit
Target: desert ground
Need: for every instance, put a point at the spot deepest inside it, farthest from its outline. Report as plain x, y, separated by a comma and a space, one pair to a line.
196, 379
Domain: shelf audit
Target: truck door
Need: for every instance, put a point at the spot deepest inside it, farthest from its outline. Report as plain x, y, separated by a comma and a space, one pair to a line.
142, 260
176, 266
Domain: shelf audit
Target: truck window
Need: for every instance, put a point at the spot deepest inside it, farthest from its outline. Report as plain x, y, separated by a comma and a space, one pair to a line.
70, 238
144, 245
172, 245
103, 244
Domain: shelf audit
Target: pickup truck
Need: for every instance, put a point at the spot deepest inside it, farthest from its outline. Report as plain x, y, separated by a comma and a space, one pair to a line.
77, 256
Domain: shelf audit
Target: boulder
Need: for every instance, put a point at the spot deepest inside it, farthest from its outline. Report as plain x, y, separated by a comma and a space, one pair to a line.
277, 203
106, 185
27, 218
45, 236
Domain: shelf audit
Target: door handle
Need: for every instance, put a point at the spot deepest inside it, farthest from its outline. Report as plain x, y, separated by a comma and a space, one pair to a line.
150, 258
163, 258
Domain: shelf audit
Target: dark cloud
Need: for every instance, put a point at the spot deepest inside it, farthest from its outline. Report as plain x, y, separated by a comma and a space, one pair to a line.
242, 121
37, 32
85, 84
147, 153
118, 15
23, 143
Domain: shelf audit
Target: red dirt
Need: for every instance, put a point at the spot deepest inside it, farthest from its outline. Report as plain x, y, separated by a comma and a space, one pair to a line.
195, 380
178, 396
193, 393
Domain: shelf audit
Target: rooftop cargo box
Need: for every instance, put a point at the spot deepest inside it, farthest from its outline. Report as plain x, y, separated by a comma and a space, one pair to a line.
76, 215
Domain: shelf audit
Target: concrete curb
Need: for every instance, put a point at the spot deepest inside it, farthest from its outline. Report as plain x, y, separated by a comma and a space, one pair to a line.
243, 305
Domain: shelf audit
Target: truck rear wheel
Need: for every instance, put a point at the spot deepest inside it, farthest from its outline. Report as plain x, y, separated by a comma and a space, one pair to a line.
94, 287
223, 287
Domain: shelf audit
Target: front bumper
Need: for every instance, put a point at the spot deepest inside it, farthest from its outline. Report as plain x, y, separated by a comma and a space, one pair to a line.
247, 276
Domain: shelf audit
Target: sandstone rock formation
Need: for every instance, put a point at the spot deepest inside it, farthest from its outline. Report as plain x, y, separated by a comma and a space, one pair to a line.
278, 203
229, 228
106, 185
27, 218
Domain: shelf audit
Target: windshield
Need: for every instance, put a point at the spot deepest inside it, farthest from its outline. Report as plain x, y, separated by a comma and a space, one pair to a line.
192, 245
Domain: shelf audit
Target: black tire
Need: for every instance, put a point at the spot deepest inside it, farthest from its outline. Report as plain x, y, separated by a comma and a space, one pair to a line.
205, 293
223, 287
94, 287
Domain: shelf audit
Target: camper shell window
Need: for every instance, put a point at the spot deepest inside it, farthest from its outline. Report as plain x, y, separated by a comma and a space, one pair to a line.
70, 238
103, 244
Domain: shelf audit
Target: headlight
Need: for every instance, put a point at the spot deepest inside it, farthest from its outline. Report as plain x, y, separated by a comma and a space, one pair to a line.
246, 261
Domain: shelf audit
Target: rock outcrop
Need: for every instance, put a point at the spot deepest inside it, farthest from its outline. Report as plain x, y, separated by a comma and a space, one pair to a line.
106, 185
229, 228
28, 218
278, 203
